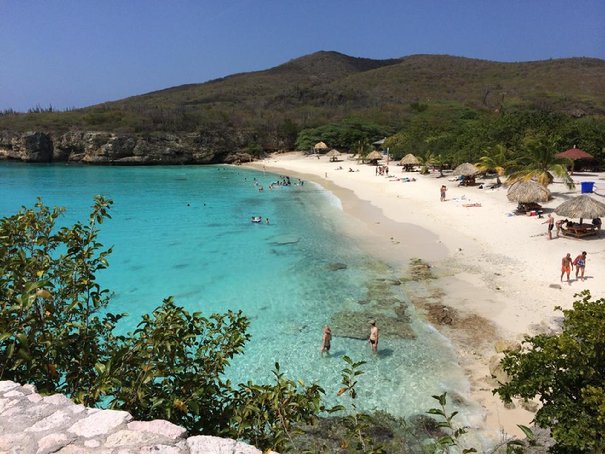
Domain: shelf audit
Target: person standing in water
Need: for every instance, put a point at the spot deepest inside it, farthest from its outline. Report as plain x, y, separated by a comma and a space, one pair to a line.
326, 340
373, 340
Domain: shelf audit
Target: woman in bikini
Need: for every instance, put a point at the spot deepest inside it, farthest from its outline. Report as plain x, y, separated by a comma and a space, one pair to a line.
580, 263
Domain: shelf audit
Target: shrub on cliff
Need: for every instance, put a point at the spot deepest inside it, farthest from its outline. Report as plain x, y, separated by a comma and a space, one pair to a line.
566, 372
56, 333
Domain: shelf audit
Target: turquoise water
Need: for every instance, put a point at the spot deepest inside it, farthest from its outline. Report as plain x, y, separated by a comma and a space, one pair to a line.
186, 232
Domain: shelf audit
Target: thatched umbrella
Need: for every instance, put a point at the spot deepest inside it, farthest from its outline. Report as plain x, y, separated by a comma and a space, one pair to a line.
409, 160
466, 170
582, 206
374, 156
333, 154
528, 192
320, 146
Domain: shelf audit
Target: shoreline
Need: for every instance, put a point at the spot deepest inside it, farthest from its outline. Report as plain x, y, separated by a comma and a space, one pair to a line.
478, 256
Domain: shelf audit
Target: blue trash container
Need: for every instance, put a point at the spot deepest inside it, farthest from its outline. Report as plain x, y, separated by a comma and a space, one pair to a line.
587, 186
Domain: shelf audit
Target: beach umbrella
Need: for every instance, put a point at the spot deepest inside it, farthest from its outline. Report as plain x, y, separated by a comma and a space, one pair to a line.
409, 160
574, 154
582, 206
528, 192
466, 170
320, 146
374, 156
333, 154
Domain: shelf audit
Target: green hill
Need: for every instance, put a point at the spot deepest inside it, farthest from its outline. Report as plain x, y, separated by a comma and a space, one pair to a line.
268, 107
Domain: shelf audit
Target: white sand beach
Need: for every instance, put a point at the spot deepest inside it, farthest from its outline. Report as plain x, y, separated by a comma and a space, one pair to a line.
497, 271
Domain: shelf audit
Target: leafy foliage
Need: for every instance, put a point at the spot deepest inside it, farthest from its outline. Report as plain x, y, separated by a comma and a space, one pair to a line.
539, 162
171, 367
270, 416
566, 372
357, 423
453, 435
340, 135
52, 332
497, 159
56, 333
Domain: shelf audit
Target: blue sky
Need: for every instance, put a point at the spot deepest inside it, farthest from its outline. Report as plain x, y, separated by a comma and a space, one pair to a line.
73, 53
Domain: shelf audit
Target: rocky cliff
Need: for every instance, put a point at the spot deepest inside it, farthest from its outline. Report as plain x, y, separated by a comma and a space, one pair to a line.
120, 149
31, 423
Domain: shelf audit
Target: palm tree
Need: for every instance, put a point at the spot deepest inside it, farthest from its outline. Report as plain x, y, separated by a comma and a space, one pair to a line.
362, 148
539, 163
495, 159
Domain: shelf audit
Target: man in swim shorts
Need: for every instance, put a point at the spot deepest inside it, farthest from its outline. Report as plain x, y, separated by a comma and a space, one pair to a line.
580, 263
373, 340
566, 266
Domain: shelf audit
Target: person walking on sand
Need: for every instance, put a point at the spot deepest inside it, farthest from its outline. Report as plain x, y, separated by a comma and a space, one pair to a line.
373, 340
443, 191
551, 223
326, 340
580, 263
566, 266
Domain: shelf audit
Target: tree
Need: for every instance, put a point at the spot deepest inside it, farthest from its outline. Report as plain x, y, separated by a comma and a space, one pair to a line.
56, 332
539, 162
566, 371
495, 159
52, 332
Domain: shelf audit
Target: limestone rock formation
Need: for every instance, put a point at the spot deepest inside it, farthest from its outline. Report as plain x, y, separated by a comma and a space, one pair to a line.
31, 423
96, 147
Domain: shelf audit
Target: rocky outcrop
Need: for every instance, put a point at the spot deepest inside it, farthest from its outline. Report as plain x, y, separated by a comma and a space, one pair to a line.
94, 147
31, 423
29, 147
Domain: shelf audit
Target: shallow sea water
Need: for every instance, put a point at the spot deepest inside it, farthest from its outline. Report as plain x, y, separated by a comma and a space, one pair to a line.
186, 232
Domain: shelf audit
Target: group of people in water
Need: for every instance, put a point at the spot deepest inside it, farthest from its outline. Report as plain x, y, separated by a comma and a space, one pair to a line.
326, 341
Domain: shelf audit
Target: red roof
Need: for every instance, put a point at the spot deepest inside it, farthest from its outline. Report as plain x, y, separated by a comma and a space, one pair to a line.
573, 154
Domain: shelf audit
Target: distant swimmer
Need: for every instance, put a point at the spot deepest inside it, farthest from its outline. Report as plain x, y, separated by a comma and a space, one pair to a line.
326, 340
373, 340
267, 221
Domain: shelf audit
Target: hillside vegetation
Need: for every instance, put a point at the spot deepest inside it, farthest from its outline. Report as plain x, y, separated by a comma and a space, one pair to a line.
268, 109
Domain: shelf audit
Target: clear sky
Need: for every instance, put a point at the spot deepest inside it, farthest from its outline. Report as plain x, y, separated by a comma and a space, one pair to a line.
73, 53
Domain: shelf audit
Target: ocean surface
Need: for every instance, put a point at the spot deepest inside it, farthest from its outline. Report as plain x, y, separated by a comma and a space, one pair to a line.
187, 232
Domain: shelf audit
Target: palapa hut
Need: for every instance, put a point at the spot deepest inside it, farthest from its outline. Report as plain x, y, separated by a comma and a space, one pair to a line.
409, 161
374, 157
320, 146
333, 154
528, 192
467, 171
583, 207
